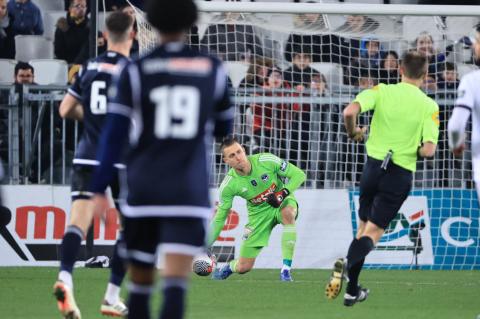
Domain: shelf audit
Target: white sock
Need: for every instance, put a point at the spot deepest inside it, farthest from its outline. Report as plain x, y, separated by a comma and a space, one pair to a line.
285, 267
66, 278
112, 295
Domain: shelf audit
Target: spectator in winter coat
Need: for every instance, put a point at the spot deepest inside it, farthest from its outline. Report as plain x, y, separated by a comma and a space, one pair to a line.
72, 32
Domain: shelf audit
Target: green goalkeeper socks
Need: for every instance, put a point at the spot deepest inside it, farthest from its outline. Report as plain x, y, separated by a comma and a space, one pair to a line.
289, 238
233, 265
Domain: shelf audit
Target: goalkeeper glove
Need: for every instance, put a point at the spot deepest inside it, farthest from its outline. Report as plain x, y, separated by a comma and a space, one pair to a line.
276, 199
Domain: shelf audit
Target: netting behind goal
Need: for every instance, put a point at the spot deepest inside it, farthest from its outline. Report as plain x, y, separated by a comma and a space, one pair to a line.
291, 76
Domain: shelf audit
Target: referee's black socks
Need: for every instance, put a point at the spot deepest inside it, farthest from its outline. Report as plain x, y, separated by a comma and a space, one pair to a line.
353, 273
358, 250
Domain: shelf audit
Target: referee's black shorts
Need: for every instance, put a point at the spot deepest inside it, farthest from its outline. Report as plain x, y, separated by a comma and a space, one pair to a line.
382, 192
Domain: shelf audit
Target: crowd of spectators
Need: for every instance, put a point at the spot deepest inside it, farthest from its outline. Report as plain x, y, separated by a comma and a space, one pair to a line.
364, 58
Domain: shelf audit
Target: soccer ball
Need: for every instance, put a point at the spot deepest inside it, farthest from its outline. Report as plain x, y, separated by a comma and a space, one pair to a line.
203, 264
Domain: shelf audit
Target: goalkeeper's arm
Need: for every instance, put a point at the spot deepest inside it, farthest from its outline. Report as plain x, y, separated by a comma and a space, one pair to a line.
220, 217
295, 176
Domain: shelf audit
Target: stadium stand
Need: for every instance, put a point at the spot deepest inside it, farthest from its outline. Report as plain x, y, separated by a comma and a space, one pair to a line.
8, 70
50, 5
30, 47
50, 19
50, 71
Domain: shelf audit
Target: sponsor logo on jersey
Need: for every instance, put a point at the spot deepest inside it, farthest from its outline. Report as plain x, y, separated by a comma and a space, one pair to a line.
254, 182
192, 66
284, 165
260, 198
264, 177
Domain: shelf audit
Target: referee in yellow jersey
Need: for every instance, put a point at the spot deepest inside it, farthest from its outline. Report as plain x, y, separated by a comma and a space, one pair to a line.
404, 127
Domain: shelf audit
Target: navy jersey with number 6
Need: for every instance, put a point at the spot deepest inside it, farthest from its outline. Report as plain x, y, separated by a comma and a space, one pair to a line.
90, 88
177, 100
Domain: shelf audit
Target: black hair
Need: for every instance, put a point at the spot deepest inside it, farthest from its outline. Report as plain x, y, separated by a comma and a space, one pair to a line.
169, 16
449, 66
477, 27
415, 64
386, 54
23, 66
117, 24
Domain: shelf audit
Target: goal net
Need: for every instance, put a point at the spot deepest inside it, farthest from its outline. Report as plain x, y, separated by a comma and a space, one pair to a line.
291, 75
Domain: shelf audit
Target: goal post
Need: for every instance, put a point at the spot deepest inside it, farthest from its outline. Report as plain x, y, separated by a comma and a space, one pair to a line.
293, 67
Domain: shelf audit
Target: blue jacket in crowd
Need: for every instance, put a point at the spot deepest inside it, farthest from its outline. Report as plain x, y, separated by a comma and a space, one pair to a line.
27, 18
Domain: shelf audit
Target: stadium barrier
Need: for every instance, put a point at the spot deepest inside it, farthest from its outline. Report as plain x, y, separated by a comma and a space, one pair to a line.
326, 225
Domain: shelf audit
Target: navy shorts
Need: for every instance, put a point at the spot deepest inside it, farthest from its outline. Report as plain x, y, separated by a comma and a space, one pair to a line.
180, 235
81, 182
382, 192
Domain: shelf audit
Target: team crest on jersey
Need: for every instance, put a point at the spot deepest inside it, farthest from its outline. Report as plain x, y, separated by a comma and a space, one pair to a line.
254, 182
461, 93
283, 167
264, 177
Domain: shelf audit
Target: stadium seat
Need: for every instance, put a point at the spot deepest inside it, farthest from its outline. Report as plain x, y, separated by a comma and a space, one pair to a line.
413, 26
333, 73
463, 69
50, 19
49, 5
8, 71
457, 27
461, 53
50, 71
236, 71
29, 47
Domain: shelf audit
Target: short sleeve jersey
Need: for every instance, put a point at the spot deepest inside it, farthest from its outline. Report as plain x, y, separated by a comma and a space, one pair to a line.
468, 96
177, 99
90, 88
403, 118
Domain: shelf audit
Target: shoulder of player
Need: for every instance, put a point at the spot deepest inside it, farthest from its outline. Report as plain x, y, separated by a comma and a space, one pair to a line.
471, 77
228, 182
267, 159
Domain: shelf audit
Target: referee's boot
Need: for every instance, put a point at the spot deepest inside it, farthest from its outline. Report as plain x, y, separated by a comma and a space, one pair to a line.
338, 276
362, 295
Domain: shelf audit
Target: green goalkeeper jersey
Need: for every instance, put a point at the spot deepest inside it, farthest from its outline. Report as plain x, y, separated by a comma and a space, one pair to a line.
267, 175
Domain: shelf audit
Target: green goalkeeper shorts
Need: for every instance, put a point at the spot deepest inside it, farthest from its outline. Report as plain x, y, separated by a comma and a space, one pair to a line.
257, 233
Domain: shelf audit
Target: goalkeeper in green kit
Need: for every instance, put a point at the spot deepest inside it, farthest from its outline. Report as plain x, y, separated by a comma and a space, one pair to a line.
270, 201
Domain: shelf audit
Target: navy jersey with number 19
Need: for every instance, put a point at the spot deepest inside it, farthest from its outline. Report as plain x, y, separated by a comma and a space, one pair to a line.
177, 99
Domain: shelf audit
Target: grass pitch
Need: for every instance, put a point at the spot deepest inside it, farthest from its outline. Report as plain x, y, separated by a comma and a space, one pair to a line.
394, 294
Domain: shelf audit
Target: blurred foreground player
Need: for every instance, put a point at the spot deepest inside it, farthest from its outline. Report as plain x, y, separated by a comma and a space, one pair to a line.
86, 101
178, 99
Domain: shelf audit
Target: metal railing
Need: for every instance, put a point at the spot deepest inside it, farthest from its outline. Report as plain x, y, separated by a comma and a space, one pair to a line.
37, 146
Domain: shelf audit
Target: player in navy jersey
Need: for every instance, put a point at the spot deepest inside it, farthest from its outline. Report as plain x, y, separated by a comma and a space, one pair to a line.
178, 100
86, 101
